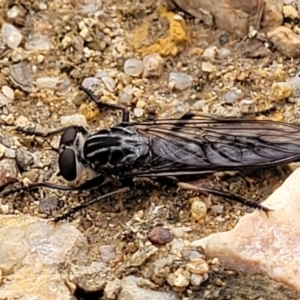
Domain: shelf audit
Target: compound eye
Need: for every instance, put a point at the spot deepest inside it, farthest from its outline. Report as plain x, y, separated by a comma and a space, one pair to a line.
67, 163
68, 136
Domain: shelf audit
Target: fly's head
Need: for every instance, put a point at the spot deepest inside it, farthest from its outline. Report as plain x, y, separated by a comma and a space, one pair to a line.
71, 161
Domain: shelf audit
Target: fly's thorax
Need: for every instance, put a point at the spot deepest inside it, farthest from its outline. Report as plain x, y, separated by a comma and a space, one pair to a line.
71, 161
116, 147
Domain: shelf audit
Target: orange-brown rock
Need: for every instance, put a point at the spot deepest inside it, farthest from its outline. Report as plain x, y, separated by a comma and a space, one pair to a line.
236, 16
285, 41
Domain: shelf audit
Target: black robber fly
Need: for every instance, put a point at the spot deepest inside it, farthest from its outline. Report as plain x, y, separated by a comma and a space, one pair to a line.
194, 145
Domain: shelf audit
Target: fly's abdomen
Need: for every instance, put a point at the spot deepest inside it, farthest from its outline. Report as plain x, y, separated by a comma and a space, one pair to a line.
115, 148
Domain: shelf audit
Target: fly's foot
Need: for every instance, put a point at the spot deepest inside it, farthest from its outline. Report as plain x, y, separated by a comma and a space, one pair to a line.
27, 131
69, 213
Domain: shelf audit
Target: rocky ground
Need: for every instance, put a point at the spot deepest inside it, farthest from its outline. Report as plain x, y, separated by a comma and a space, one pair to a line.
159, 61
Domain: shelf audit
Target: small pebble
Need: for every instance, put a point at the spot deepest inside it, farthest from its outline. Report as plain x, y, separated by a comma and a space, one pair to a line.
38, 43
153, 65
124, 78
223, 39
8, 92
101, 73
125, 98
198, 266
4, 209
290, 12
281, 90
11, 36
21, 76
22, 121
199, 104
47, 83
107, 252
26, 181
112, 289
178, 280
3, 80
210, 53
14, 12
109, 83
140, 104
10, 153
138, 112
32, 174
198, 211
191, 254
219, 219
208, 67
90, 82
160, 236
128, 89
67, 41
295, 84
139, 257
197, 51
75, 119
232, 96
84, 33
218, 209
224, 53
178, 17
177, 246
133, 67
2, 150
9, 119
48, 205
196, 279
3, 101
24, 160
88, 52
180, 81
179, 232
43, 6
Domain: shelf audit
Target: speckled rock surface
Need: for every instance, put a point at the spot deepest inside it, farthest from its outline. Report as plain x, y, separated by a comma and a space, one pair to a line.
34, 255
262, 244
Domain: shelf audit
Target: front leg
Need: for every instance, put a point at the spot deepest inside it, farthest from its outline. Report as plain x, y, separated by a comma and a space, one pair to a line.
89, 185
33, 131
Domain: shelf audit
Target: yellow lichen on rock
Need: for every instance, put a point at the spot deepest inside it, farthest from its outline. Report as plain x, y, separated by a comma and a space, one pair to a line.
89, 113
170, 38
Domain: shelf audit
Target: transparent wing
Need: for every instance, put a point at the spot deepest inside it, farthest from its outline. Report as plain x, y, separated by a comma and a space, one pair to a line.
200, 143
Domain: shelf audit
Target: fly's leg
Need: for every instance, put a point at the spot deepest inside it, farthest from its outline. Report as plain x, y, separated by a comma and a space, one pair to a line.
100, 104
75, 209
89, 185
10, 182
183, 121
224, 194
45, 134
33, 131
267, 111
